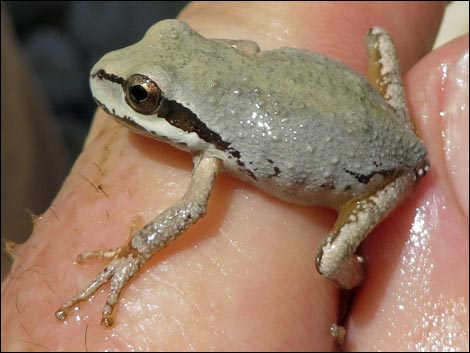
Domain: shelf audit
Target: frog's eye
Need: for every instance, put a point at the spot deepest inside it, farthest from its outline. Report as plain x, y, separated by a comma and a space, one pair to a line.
142, 94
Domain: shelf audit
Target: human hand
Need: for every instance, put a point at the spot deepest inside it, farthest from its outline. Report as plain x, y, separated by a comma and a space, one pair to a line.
244, 277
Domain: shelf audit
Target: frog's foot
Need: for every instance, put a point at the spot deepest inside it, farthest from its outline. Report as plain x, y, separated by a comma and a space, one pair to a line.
336, 257
120, 270
100, 254
339, 333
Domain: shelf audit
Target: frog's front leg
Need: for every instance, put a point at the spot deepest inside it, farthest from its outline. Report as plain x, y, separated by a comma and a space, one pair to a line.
154, 236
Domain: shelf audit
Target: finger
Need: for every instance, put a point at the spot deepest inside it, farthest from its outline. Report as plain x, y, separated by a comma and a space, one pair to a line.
145, 177
415, 297
335, 29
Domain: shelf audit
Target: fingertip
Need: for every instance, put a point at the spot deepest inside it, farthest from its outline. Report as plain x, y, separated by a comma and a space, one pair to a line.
438, 95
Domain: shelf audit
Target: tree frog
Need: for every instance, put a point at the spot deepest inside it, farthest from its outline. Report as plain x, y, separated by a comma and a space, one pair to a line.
300, 126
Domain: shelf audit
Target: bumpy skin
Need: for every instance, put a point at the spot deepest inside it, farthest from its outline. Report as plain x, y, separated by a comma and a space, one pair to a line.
298, 125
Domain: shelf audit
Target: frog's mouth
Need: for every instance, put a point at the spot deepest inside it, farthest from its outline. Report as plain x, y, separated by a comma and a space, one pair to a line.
124, 120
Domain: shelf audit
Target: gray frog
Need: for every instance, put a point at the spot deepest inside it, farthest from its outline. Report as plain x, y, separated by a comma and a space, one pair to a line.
298, 125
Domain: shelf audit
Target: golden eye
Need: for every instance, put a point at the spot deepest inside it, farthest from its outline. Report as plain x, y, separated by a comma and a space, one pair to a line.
142, 94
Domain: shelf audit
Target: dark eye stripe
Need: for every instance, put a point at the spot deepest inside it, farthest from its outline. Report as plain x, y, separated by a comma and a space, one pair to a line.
103, 75
183, 118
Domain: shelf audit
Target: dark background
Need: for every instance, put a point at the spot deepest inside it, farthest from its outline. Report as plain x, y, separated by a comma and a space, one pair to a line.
63, 39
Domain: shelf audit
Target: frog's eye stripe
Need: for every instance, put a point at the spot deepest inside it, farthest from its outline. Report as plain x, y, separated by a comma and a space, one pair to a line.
103, 75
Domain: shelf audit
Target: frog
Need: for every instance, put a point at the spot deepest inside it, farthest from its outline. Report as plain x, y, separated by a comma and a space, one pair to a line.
298, 125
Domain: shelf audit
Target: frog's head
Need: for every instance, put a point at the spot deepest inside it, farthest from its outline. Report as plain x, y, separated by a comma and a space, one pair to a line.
142, 87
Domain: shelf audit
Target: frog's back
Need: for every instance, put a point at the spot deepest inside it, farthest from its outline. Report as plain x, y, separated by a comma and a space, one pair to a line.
311, 130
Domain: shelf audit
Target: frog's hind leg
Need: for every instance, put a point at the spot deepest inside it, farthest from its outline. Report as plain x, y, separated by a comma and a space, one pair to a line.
336, 257
384, 74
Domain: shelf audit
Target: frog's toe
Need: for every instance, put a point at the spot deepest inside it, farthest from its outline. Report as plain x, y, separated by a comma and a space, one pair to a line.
107, 320
101, 254
87, 292
125, 269
118, 272
338, 333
